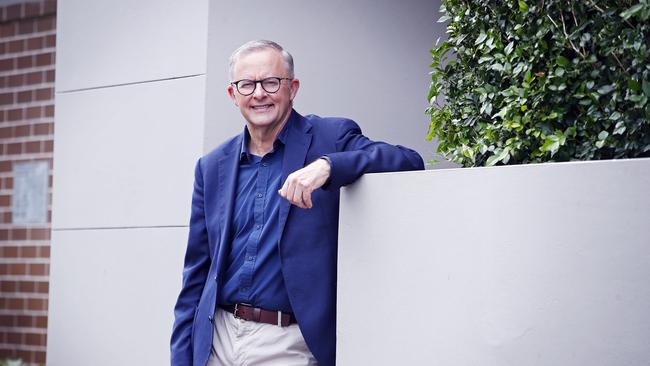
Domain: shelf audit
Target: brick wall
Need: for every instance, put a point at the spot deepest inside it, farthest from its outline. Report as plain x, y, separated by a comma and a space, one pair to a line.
27, 45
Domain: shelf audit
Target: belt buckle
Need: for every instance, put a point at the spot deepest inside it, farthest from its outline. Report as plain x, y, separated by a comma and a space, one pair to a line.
237, 308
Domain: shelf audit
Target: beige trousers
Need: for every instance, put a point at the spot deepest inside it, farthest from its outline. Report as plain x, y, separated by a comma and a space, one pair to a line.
238, 342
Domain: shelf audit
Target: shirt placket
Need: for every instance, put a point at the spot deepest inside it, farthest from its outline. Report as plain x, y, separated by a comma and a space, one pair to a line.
252, 246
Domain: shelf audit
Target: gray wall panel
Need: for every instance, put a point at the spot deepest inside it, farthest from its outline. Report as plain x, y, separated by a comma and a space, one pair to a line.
521, 265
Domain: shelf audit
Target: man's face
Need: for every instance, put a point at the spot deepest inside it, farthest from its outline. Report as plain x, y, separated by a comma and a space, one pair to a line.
262, 109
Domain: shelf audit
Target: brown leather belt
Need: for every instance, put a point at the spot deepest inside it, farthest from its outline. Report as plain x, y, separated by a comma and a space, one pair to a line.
250, 313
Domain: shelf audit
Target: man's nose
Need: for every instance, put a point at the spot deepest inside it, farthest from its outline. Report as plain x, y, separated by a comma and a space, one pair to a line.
259, 92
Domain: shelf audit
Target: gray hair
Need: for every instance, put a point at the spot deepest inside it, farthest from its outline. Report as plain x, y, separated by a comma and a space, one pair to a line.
258, 45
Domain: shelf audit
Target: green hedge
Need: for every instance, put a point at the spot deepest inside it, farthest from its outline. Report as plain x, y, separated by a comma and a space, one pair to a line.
541, 81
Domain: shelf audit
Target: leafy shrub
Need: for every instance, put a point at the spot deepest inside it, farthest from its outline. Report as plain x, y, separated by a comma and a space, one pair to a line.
541, 81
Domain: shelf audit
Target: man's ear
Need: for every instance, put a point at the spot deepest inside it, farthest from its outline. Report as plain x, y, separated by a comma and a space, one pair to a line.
295, 85
231, 92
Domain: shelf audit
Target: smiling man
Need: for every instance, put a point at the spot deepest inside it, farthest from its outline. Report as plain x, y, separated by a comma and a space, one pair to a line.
259, 279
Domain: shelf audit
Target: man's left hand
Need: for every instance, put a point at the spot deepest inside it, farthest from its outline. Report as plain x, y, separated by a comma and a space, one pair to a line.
300, 184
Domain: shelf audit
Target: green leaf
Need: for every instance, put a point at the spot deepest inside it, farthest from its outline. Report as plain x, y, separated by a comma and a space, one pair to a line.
444, 18
619, 128
481, 38
605, 89
614, 116
523, 7
603, 135
501, 113
562, 61
497, 67
509, 48
631, 11
646, 87
551, 144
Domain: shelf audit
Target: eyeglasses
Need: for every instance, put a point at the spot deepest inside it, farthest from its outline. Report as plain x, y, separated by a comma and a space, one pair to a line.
247, 87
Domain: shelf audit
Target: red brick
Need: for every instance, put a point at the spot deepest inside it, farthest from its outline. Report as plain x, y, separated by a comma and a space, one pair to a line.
50, 41
18, 269
19, 234
36, 304
34, 77
45, 251
25, 356
2, 115
10, 252
40, 128
33, 339
44, 59
32, 113
48, 111
32, 147
3, 79
33, 10
9, 183
15, 80
4, 234
13, 12
40, 322
15, 148
14, 338
4, 270
45, 24
49, 76
25, 321
26, 27
25, 61
26, 286
6, 132
5, 200
28, 252
15, 114
7, 30
8, 320
39, 234
48, 146
16, 46
45, 94
22, 131
43, 287
38, 269
6, 98
49, 7
35, 43
7, 64
8, 286
7, 218
25, 96
39, 356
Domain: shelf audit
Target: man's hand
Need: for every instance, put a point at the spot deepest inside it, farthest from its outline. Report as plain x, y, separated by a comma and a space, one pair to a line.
300, 184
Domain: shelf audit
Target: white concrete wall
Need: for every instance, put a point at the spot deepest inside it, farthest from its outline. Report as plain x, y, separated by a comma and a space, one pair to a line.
130, 102
522, 265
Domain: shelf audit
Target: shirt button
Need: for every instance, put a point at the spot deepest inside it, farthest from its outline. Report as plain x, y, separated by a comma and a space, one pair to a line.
259, 195
216, 277
250, 257
258, 226
265, 164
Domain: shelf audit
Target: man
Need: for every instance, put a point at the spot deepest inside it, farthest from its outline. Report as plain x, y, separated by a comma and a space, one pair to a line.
259, 280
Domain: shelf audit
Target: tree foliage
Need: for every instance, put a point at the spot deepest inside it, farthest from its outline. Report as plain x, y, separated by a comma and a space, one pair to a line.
541, 81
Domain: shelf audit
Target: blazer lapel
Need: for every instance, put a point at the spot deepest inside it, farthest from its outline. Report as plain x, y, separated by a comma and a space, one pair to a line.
295, 152
228, 168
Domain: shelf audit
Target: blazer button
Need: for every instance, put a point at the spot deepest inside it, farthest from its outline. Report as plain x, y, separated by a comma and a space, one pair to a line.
210, 318
215, 278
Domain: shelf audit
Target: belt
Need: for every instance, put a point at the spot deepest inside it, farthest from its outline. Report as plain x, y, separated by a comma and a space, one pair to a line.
251, 313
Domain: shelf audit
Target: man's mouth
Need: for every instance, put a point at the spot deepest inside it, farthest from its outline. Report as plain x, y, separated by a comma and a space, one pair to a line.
262, 108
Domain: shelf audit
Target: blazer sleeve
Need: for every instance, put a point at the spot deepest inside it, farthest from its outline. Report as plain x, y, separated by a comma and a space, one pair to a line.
356, 155
195, 271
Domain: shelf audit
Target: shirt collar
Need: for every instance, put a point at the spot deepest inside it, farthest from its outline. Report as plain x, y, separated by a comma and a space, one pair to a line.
244, 154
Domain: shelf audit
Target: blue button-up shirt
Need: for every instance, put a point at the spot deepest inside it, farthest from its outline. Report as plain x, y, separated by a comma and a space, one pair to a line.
253, 274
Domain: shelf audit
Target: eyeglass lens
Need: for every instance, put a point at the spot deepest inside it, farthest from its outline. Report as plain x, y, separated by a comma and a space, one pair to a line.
247, 87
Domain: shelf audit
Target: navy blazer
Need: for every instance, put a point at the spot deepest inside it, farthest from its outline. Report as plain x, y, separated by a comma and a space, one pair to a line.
308, 237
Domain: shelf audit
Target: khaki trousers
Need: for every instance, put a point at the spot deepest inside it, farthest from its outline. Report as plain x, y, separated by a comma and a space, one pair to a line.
238, 342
